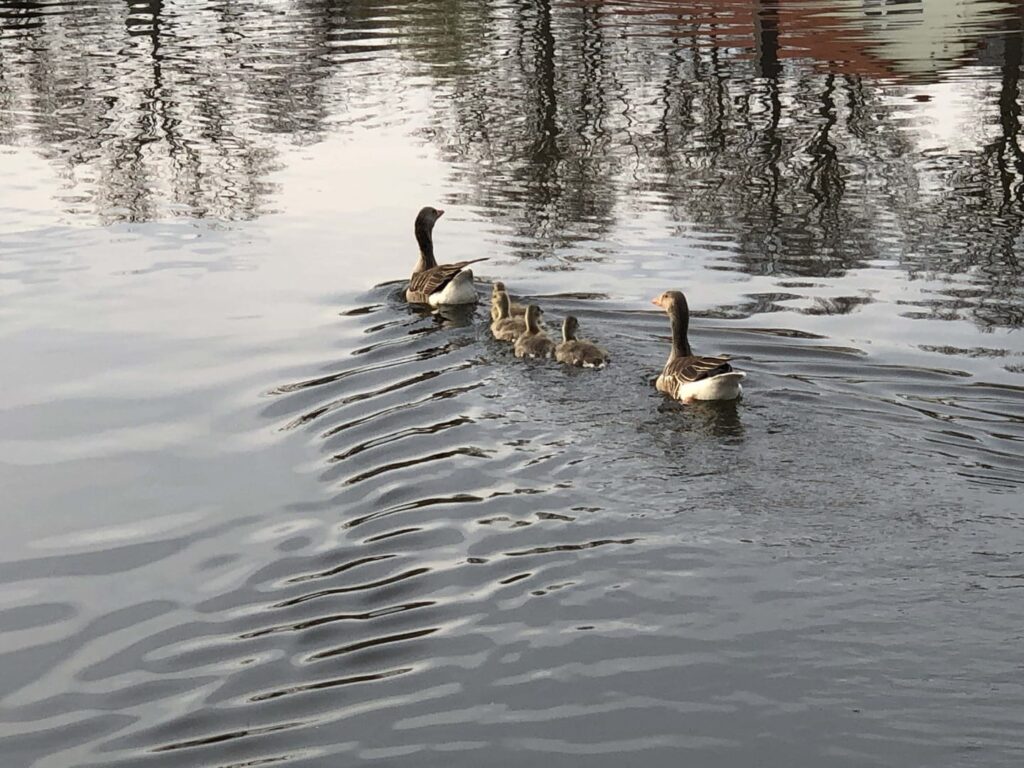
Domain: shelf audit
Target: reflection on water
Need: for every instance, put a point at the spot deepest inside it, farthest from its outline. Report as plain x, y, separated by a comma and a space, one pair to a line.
797, 131
259, 512
184, 114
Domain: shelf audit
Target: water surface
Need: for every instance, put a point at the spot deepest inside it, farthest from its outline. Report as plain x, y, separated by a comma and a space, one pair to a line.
259, 511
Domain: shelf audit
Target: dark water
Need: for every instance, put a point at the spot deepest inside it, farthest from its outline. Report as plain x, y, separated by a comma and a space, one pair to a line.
258, 511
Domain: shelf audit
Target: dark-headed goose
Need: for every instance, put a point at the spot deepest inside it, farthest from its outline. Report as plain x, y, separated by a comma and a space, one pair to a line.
438, 284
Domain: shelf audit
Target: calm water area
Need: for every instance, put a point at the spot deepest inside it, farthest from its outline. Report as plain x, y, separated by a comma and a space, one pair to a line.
257, 510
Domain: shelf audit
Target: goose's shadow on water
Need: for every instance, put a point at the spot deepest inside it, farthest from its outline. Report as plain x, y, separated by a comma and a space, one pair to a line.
449, 316
710, 418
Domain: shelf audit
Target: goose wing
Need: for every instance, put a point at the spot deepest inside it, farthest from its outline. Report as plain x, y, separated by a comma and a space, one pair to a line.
432, 280
686, 370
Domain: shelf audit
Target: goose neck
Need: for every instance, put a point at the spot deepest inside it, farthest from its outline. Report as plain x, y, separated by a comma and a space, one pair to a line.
532, 326
425, 239
679, 315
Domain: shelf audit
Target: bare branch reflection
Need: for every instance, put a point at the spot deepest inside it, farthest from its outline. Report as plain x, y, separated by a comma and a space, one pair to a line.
791, 129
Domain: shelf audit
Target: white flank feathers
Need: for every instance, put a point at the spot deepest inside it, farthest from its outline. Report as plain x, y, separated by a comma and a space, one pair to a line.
724, 386
460, 290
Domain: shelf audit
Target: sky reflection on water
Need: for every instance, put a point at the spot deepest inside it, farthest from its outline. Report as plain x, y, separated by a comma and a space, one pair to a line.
260, 511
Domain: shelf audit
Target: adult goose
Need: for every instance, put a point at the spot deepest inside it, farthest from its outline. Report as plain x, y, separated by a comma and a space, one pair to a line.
514, 308
503, 327
687, 376
534, 342
578, 352
437, 284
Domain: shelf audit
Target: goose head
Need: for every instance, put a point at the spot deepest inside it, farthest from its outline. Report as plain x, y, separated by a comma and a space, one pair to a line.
671, 302
427, 217
424, 228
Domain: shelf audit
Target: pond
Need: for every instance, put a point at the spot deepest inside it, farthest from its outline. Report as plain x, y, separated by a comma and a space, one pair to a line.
257, 510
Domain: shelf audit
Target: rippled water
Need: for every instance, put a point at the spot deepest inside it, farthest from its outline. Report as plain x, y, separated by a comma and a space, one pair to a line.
259, 511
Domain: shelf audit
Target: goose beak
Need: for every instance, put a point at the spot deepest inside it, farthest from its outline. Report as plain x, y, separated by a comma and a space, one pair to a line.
440, 212
656, 301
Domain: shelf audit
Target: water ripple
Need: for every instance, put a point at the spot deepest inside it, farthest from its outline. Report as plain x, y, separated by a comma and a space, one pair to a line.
276, 524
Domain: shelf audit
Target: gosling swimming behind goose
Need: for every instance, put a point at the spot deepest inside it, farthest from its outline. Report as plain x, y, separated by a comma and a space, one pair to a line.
578, 352
687, 376
505, 328
437, 284
515, 309
534, 342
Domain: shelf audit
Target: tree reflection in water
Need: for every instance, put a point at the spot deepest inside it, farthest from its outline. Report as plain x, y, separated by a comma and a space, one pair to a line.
788, 128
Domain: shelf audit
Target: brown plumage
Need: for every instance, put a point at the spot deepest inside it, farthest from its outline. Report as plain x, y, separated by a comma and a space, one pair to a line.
686, 370
503, 327
534, 342
579, 352
430, 279
423, 285
687, 376
515, 309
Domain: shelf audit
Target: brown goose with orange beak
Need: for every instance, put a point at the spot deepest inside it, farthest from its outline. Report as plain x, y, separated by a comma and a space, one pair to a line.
687, 376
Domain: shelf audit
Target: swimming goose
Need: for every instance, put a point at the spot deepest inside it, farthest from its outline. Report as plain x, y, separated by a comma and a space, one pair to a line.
437, 284
578, 351
534, 342
503, 327
515, 309
686, 376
